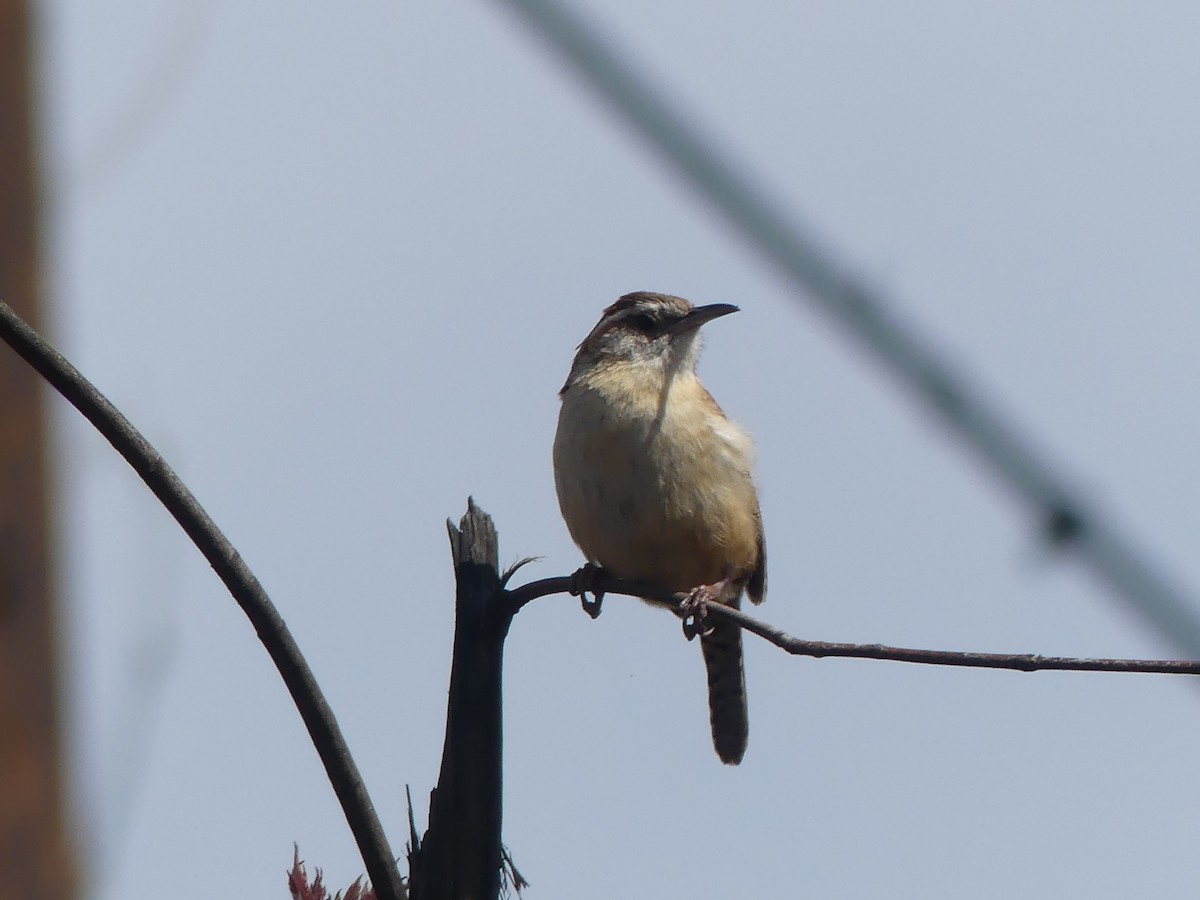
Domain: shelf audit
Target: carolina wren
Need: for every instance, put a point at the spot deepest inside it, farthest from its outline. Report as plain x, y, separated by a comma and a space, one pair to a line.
655, 483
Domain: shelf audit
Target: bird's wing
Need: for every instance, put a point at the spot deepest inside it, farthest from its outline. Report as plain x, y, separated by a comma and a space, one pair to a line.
756, 586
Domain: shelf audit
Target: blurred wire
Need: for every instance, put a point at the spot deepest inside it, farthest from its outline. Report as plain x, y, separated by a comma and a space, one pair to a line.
1066, 521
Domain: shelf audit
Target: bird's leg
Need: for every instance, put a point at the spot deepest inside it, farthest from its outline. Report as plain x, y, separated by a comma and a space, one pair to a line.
583, 582
694, 607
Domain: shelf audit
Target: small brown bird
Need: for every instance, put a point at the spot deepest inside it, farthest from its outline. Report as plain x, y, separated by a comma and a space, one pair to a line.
655, 483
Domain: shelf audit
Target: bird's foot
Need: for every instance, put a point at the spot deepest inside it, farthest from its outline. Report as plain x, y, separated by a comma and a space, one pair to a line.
583, 582
694, 607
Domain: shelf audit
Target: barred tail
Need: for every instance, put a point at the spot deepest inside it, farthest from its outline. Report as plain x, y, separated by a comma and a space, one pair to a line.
722, 649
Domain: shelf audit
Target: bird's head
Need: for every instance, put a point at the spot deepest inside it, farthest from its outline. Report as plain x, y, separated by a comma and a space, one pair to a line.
645, 328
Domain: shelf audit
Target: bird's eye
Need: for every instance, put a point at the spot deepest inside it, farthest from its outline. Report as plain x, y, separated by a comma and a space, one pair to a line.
642, 322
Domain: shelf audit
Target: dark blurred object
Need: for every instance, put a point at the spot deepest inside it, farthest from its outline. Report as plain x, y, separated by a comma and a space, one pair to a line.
35, 860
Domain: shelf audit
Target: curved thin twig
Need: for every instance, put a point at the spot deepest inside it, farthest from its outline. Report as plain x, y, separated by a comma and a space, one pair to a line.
1022, 662
237, 577
756, 211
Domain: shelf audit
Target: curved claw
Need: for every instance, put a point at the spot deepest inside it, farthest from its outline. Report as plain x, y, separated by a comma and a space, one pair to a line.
591, 607
694, 608
583, 582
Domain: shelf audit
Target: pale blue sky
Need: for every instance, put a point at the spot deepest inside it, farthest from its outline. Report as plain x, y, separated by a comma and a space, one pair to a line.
335, 261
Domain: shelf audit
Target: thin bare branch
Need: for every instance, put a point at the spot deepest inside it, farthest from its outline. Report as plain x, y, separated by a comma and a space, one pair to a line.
1022, 662
237, 577
755, 210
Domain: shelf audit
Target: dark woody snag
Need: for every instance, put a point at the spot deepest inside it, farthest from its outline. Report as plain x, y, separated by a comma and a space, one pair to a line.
460, 856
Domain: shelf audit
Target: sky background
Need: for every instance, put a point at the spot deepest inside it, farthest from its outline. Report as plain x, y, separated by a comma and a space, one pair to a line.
334, 262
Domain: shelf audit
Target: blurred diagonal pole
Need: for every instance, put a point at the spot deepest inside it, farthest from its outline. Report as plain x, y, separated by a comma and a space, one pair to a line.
750, 208
35, 860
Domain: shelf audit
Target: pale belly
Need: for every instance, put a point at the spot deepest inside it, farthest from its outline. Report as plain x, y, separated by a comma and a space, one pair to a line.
672, 506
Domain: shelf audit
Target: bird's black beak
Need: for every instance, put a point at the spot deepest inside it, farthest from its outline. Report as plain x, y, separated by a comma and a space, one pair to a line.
701, 315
